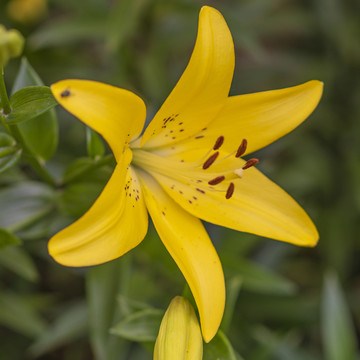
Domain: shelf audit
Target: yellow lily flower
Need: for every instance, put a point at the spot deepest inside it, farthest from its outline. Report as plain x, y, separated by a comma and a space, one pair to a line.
186, 167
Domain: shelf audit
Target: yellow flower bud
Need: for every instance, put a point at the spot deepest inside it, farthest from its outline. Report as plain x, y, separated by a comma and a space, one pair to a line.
27, 11
11, 44
179, 335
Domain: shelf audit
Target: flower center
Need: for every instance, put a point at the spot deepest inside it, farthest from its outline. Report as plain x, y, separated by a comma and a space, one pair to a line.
209, 171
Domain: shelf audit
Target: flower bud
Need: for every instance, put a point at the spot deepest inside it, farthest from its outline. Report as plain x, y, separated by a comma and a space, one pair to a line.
11, 44
179, 335
27, 11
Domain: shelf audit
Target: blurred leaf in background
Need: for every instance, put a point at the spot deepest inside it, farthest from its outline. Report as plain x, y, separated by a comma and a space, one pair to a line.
279, 306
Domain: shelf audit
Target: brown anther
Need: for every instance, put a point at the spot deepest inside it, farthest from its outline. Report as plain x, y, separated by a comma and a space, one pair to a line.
242, 148
230, 191
217, 180
210, 160
250, 163
218, 142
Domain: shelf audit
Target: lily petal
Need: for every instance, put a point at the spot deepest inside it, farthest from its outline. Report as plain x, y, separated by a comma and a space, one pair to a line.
260, 118
203, 88
190, 246
116, 223
117, 114
257, 206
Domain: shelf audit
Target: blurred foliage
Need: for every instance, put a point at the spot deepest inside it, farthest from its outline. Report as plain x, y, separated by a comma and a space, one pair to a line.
283, 303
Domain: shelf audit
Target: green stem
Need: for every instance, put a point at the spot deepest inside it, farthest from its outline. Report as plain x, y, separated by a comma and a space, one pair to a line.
4, 99
3, 94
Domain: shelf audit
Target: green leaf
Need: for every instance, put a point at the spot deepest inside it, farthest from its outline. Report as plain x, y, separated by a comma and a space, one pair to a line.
259, 279
219, 348
17, 260
19, 315
40, 133
25, 203
67, 328
30, 102
7, 238
123, 20
233, 287
338, 330
103, 284
84, 184
141, 326
9, 151
68, 31
94, 144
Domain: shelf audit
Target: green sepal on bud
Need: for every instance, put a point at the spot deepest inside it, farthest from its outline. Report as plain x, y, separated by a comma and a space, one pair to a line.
179, 335
11, 44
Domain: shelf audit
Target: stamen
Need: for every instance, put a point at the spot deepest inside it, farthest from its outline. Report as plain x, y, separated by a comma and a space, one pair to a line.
210, 160
250, 163
230, 191
242, 148
217, 180
218, 142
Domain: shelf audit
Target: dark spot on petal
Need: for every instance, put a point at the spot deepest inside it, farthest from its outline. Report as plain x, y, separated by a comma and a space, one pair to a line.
65, 93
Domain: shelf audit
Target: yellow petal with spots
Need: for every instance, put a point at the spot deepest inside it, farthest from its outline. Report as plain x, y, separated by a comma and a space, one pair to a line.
116, 223
117, 114
261, 118
257, 206
190, 246
202, 89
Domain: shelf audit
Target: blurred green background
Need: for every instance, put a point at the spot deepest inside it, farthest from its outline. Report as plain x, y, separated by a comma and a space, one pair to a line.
284, 302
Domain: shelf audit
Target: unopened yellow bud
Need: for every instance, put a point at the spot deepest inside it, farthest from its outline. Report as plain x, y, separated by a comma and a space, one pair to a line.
27, 11
11, 44
179, 335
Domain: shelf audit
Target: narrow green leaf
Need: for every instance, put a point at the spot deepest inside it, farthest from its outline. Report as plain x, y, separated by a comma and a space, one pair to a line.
68, 31
25, 203
30, 102
67, 328
141, 326
26, 76
259, 279
6, 140
103, 284
219, 348
123, 21
10, 160
9, 151
17, 260
338, 331
40, 133
233, 287
19, 315
94, 144
7, 238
